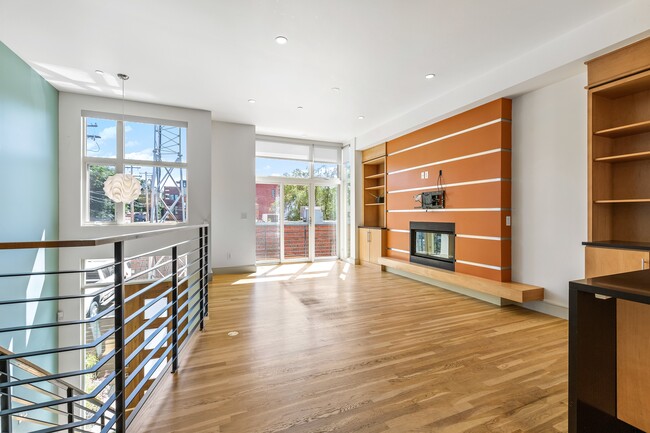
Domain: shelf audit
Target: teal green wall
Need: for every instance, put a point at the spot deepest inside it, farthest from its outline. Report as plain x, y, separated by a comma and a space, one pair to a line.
29, 209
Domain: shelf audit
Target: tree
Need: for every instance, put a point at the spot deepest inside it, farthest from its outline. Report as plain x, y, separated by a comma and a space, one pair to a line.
101, 208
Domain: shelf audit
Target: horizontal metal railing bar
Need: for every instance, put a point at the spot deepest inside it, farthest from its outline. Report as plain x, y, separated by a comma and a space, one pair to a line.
63, 272
96, 241
109, 426
57, 298
60, 324
146, 271
145, 325
33, 420
187, 302
192, 263
145, 379
167, 247
35, 370
146, 359
146, 342
92, 420
92, 395
188, 330
25, 402
59, 376
146, 289
150, 304
189, 287
90, 345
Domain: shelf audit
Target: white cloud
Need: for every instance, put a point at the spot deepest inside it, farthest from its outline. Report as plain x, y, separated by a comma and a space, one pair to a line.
132, 143
108, 133
146, 155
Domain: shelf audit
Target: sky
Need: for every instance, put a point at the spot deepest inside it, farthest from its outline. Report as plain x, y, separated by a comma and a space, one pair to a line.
101, 141
139, 139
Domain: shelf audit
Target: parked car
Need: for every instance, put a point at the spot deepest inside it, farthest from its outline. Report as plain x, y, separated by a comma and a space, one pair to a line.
101, 278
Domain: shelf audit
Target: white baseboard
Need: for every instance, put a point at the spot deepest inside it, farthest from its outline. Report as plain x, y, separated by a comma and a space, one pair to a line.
235, 270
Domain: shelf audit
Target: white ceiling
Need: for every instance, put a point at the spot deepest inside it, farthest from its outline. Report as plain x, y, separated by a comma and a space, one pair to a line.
216, 55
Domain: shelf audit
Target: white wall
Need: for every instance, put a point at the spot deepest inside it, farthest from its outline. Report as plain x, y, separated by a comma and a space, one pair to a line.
549, 189
233, 197
71, 175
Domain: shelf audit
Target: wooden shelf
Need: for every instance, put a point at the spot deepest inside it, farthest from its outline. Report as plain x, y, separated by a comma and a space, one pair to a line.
374, 204
624, 157
375, 176
621, 131
375, 187
628, 200
513, 291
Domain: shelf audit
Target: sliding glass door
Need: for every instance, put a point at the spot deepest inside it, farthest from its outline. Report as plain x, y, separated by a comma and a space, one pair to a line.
296, 222
325, 221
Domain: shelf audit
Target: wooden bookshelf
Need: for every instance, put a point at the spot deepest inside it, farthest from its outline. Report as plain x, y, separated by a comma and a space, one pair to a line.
619, 147
624, 157
374, 186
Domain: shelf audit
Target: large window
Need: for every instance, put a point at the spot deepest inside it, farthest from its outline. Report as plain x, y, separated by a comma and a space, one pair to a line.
297, 200
153, 151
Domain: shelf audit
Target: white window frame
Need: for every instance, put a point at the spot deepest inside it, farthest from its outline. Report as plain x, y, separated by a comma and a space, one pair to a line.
119, 162
312, 182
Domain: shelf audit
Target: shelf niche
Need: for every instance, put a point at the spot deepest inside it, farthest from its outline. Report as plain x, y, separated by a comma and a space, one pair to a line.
374, 186
619, 146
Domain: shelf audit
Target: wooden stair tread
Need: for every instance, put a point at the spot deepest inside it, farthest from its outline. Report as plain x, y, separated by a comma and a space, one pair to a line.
513, 291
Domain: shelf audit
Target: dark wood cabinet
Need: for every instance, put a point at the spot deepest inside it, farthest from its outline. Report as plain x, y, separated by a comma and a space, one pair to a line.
600, 337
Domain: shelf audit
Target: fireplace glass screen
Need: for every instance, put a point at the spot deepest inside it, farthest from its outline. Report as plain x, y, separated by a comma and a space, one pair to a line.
434, 245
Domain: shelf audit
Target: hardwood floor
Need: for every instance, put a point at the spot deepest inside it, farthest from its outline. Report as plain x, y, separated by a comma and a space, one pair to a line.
352, 349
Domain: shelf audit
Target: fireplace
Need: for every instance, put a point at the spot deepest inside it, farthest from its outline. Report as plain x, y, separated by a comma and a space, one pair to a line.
433, 244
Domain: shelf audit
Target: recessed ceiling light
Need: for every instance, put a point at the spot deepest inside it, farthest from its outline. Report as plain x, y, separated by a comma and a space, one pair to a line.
252, 101
99, 72
300, 107
430, 76
281, 40
336, 89
361, 117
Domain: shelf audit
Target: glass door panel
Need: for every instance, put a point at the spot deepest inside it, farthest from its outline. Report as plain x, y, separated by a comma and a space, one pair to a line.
325, 217
267, 222
296, 220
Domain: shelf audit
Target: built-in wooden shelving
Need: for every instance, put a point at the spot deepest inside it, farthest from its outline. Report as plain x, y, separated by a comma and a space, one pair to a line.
374, 186
627, 200
624, 157
625, 130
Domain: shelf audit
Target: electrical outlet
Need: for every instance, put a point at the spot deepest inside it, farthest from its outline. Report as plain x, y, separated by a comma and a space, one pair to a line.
59, 316
426, 174
508, 220
244, 215
421, 175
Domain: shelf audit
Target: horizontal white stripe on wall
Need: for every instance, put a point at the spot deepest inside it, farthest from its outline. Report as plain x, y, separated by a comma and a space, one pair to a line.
398, 231
451, 185
473, 128
445, 161
481, 265
487, 209
398, 250
487, 238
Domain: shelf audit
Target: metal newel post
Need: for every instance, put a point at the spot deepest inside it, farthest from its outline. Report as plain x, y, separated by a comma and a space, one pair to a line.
70, 408
174, 309
206, 272
201, 276
5, 398
120, 374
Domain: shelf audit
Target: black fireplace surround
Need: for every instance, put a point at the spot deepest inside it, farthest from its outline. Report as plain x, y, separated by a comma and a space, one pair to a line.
433, 244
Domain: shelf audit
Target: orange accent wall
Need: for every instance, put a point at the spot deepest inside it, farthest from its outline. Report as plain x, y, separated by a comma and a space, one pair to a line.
476, 164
